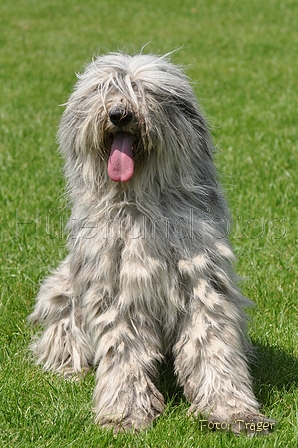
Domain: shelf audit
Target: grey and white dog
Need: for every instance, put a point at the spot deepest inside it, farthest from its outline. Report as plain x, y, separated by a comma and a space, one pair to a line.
149, 270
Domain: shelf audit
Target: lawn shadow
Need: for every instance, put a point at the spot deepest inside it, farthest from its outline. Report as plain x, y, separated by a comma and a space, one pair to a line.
168, 384
271, 368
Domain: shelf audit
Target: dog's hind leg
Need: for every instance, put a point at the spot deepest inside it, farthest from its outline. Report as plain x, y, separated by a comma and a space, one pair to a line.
63, 346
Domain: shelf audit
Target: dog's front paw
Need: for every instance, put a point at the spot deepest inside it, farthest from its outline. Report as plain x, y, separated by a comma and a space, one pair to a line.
136, 420
134, 409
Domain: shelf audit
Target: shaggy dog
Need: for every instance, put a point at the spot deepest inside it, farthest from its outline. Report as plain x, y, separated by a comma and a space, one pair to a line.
149, 270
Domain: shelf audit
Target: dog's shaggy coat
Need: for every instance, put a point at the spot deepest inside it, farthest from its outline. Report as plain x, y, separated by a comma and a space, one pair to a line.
149, 270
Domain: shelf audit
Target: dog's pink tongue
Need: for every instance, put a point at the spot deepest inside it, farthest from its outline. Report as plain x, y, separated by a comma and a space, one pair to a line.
121, 164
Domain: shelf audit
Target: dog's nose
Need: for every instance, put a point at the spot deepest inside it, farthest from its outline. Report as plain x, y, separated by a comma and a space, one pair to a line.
120, 116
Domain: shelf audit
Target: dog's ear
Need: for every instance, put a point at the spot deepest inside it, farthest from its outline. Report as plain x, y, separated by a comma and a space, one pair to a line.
191, 112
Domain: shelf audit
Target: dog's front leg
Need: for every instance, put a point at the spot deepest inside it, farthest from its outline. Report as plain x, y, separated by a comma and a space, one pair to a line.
210, 358
127, 341
127, 351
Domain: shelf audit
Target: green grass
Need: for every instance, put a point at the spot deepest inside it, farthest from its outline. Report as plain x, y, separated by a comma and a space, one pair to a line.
243, 57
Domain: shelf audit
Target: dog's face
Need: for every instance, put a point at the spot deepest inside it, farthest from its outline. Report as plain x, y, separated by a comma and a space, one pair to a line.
131, 109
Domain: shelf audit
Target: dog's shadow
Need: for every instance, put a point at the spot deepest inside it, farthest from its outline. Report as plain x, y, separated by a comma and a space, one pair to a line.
272, 368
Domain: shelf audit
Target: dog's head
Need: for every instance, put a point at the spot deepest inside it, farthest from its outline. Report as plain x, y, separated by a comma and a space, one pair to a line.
131, 116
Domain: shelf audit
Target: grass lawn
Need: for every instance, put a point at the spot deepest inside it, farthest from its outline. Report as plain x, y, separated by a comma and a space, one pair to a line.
243, 57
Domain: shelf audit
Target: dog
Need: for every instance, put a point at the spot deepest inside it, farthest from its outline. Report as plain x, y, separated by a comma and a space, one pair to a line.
150, 268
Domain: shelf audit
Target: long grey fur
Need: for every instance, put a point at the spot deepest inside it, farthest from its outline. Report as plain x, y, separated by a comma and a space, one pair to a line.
150, 267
